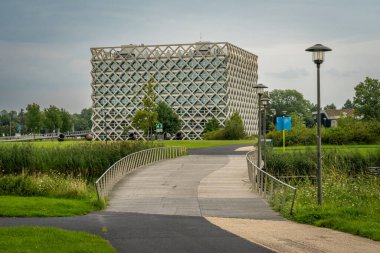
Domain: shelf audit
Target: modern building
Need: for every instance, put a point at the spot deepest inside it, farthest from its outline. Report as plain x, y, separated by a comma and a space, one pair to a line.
199, 81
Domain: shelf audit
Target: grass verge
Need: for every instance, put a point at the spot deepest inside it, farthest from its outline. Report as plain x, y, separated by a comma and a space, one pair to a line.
18, 206
43, 239
193, 144
46, 196
364, 149
350, 204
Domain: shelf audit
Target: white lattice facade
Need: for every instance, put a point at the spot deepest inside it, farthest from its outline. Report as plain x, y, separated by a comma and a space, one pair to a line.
199, 81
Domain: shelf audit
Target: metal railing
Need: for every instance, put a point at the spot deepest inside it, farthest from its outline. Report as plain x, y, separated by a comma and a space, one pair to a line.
272, 189
130, 163
43, 136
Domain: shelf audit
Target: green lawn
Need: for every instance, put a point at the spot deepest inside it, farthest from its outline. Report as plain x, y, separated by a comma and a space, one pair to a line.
15, 206
365, 148
193, 144
50, 240
187, 143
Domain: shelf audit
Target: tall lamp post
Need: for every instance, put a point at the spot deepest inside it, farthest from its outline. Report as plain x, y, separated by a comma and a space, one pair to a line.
265, 102
260, 91
318, 51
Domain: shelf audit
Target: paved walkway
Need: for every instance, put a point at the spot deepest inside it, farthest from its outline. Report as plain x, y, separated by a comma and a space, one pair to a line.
193, 185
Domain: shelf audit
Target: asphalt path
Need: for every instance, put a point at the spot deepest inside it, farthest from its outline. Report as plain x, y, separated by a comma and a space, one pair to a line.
137, 232
143, 233
221, 150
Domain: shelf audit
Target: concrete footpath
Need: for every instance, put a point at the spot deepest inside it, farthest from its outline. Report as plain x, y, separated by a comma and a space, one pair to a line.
193, 185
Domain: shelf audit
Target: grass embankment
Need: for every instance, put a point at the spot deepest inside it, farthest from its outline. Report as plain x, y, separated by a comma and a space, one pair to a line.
46, 196
14, 206
349, 204
50, 240
84, 159
351, 200
343, 148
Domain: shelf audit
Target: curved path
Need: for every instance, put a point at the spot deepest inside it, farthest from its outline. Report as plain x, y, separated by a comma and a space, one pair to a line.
194, 185
159, 208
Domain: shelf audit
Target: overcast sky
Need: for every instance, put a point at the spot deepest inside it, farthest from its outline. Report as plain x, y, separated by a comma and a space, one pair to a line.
45, 45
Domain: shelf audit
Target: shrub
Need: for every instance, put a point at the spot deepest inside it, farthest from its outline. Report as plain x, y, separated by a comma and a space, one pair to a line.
86, 159
304, 136
45, 185
349, 131
234, 129
303, 163
211, 125
215, 135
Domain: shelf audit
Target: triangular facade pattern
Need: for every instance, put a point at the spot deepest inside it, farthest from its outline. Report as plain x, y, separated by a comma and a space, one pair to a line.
199, 81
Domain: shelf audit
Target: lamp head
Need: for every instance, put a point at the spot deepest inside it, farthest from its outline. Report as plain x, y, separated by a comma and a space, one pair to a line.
260, 88
318, 51
265, 101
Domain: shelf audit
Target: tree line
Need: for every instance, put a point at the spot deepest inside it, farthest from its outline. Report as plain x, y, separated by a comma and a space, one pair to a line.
366, 103
34, 119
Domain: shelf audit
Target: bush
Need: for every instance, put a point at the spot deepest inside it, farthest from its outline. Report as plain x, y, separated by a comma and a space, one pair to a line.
304, 163
304, 136
88, 160
45, 185
349, 131
234, 129
215, 135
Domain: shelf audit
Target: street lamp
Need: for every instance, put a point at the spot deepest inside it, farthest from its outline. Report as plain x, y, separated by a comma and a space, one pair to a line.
10, 125
318, 51
265, 102
260, 91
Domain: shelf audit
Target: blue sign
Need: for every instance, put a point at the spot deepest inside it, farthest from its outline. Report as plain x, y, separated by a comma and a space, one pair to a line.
283, 123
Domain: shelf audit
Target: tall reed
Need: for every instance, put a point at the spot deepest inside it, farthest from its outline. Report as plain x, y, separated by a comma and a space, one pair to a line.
84, 159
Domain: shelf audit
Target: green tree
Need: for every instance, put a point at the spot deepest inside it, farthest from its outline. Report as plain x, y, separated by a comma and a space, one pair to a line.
21, 118
82, 121
329, 107
291, 101
33, 118
297, 121
8, 122
67, 123
234, 127
348, 104
211, 125
52, 119
367, 99
169, 119
146, 118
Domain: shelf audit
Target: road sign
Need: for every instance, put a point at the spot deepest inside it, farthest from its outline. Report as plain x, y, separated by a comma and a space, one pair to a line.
283, 123
159, 127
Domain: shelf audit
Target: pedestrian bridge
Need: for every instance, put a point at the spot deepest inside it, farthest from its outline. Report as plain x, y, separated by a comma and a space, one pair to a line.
194, 185
32, 137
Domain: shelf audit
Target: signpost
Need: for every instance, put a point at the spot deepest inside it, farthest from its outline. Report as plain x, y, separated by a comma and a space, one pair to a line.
283, 123
159, 127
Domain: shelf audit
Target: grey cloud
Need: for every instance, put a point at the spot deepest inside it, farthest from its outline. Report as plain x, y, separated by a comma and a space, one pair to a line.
340, 73
290, 73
